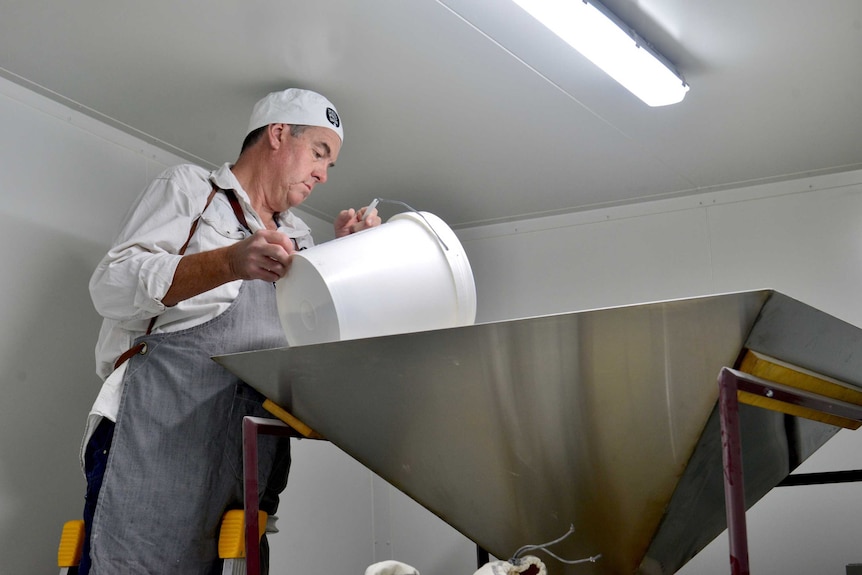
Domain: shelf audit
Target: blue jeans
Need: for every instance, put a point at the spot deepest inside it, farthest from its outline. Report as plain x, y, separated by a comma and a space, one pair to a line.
95, 461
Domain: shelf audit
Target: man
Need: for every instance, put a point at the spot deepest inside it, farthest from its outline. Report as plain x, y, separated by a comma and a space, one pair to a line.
191, 276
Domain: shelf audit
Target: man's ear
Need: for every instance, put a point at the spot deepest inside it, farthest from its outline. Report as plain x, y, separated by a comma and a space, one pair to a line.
276, 134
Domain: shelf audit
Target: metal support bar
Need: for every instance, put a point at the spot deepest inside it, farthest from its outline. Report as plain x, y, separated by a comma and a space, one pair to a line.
251, 428
730, 382
798, 397
822, 478
734, 491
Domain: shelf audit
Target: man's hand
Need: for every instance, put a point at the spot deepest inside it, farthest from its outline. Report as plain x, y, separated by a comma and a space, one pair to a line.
265, 255
350, 221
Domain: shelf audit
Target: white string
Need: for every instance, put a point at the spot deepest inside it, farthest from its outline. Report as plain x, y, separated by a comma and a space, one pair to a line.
418, 213
544, 547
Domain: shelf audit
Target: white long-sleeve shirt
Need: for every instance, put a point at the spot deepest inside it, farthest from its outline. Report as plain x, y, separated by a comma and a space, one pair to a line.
129, 283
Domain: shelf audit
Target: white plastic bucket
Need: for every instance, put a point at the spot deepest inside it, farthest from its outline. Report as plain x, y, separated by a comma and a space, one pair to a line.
395, 278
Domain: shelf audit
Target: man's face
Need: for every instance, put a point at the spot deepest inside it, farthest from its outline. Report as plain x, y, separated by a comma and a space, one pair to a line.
304, 161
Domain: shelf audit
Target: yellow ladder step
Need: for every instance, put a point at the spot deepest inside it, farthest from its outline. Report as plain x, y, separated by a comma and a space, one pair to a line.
231, 539
71, 544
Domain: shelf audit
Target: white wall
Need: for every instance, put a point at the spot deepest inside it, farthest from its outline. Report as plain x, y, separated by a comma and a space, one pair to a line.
803, 238
63, 188
68, 180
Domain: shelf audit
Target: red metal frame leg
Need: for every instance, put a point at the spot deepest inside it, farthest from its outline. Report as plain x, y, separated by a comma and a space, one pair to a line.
730, 382
251, 428
734, 490
250, 490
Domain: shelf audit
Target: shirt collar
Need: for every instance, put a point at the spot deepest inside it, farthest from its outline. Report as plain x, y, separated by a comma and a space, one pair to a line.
225, 179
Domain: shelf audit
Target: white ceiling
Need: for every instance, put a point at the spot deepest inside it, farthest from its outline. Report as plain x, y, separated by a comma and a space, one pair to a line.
466, 108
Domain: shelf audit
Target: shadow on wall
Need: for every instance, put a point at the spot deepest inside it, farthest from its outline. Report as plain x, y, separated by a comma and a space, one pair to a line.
49, 329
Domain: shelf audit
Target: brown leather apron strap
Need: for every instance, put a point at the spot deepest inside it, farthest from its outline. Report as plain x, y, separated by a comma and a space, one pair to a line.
142, 347
194, 227
237, 209
127, 355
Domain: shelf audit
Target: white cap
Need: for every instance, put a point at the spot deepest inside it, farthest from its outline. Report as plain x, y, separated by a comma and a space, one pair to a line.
298, 108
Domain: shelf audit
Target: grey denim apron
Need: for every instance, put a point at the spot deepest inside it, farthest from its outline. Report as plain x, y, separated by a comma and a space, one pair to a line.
175, 465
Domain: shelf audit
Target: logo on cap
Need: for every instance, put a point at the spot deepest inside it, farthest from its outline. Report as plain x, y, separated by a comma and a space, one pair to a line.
332, 116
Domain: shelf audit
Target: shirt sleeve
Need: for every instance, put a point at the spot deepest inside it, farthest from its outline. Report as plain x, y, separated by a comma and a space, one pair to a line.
133, 277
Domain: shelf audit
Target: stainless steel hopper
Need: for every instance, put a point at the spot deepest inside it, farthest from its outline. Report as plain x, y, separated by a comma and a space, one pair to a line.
605, 420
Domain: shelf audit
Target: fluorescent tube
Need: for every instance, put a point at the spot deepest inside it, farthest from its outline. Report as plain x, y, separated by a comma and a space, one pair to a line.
600, 37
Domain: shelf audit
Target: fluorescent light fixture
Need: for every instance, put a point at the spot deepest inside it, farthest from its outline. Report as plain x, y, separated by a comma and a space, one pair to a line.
604, 39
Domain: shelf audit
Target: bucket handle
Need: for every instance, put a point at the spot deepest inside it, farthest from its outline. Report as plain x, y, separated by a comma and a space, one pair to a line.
418, 213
